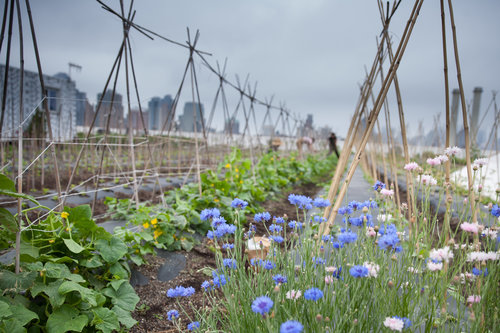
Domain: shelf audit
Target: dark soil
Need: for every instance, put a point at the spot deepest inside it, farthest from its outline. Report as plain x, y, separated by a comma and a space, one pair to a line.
151, 311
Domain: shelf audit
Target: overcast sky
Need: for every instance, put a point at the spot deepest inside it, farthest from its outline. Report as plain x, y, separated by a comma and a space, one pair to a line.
310, 55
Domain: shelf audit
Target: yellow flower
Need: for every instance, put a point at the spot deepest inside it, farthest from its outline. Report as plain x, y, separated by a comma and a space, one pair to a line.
228, 166
212, 185
236, 170
51, 241
154, 221
272, 158
157, 233
175, 237
146, 225
216, 200
64, 215
241, 181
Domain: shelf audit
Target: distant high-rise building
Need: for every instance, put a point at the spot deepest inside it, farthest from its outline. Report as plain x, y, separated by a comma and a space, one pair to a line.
160, 113
187, 119
232, 126
307, 128
113, 109
135, 117
61, 96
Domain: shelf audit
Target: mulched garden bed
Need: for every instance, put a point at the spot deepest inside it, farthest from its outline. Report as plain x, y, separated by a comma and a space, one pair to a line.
151, 311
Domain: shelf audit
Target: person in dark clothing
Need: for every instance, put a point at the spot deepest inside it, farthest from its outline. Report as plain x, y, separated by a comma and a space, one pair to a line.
332, 140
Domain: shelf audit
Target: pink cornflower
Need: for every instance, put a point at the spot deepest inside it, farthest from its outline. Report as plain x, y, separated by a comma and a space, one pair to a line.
370, 232
443, 254
434, 266
473, 299
442, 158
480, 162
293, 294
328, 279
451, 151
482, 256
387, 193
433, 161
394, 324
489, 232
372, 268
470, 227
330, 269
411, 166
427, 180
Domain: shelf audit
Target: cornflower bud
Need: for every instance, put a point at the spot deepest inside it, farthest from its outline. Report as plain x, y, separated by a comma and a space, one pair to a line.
365, 209
390, 284
319, 317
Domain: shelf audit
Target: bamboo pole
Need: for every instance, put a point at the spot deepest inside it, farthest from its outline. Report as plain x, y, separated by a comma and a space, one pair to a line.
374, 114
464, 116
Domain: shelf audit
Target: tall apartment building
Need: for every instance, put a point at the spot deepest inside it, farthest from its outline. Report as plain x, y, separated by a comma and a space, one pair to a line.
160, 113
187, 121
111, 107
61, 95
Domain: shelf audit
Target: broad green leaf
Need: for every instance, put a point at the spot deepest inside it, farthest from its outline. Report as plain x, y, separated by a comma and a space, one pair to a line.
125, 297
29, 252
79, 213
105, 320
118, 270
11, 325
22, 314
93, 262
112, 250
124, 317
179, 221
73, 246
10, 280
66, 319
57, 260
57, 271
7, 184
8, 220
187, 244
4, 310
34, 266
117, 283
51, 290
19, 195
87, 294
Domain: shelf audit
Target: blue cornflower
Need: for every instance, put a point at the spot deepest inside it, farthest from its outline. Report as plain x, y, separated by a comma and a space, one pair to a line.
228, 246
262, 305
172, 314
217, 221
387, 229
268, 264
378, 185
205, 285
275, 228
209, 213
277, 239
295, 225
388, 241
337, 245
313, 294
368, 218
319, 219
279, 220
193, 326
318, 261
239, 204
406, 321
278, 278
355, 205
356, 221
478, 272
320, 202
347, 210
301, 201
336, 273
326, 238
291, 326
495, 211
347, 237
180, 291
219, 279
261, 217
228, 262
358, 271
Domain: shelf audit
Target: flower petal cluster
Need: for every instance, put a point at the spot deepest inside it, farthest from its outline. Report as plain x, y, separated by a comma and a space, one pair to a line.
359, 271
480, 162
482, 256
313, 294
262, 305
394, 324
347, 236
295, 225
347, 210
278, 278
275, 228
443, 254
293, 294
434, 161
470, 227
221, 230
378, 185
193, 326
321, 203
180, 291
228, 262
452, 151
261, 217
373, 268
239, 204
473, 299
172, 315
279, 220
301, 201
411, 166
495, 211
209, 213
277, 239
387, 193
217, 221
291, 326
434, 265
427, 180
